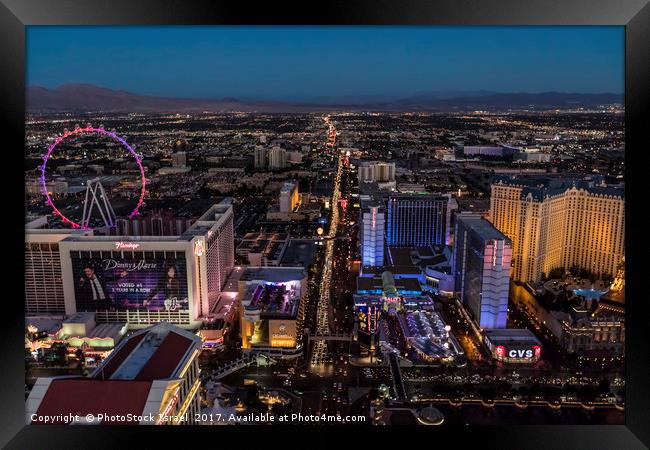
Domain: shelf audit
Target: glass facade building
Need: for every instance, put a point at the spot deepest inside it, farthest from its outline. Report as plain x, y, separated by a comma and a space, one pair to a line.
416, 220
482, 257
373, 220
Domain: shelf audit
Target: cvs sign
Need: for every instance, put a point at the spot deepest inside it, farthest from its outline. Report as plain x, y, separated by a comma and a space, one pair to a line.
520, 353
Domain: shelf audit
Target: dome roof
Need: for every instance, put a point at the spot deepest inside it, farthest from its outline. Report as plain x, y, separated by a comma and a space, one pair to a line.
430, 415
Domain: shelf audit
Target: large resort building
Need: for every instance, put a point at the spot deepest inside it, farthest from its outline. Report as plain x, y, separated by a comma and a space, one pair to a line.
139, 280
559, 223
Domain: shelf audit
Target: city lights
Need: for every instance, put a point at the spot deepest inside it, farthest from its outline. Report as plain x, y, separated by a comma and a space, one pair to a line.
433, 258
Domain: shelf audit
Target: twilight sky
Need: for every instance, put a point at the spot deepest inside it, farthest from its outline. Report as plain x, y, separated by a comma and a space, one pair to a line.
294, 63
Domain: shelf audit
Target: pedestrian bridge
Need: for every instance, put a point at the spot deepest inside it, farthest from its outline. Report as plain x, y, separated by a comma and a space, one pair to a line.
398, 381
319, 336
238, 364
233, 366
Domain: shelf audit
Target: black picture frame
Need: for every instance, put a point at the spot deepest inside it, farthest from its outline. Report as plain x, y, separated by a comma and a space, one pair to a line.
15, 15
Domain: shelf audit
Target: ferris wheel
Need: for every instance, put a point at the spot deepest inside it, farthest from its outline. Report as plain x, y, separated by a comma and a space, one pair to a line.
96, 197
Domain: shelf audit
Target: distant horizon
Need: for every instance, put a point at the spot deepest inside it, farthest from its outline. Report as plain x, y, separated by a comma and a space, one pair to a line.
448, 94
302, 63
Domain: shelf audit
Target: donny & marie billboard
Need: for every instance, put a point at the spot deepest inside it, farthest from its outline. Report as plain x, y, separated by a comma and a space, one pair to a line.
115, 283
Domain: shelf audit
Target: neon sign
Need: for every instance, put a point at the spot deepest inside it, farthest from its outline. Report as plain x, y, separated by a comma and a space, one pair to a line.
126, 245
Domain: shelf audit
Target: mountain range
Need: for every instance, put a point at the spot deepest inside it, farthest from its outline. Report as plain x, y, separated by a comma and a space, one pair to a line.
91, 98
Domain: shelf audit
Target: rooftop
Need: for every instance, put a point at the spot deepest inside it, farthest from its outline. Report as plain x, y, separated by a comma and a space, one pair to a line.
215, 214
273, 274
427, 333
232, 283
420, 196
288, 187
253, 236
151, 354
542, 186
224, 306
49, 325
481, 226
511, 336
299, 252
374, 285
84, 396
90, 238
274, 300
107, 330
80, 317
412, 260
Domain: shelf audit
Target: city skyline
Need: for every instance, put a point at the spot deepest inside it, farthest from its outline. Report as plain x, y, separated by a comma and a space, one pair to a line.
309, 260
321, 64
389, 260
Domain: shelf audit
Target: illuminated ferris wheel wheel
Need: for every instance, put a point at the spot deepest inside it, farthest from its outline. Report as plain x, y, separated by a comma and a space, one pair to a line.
96, 197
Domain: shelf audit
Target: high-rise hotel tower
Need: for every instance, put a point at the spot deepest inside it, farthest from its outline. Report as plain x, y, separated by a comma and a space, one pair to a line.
371, 231
416, 220
559, 223
481, 265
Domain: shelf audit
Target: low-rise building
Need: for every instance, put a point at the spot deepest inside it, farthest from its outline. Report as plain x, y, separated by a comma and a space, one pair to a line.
271, 309
263, 249
513, 345
590, 328
427, 268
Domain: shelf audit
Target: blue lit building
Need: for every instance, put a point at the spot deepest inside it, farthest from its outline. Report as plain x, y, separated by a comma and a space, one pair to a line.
481, 259
374, 284
371, 236
416, 220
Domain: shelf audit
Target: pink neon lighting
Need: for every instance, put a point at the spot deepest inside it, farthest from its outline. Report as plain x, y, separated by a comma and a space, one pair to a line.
88, 129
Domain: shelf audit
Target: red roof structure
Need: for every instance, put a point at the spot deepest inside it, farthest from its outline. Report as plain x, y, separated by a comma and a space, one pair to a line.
166, 358
84, 396
117, 358
153, 354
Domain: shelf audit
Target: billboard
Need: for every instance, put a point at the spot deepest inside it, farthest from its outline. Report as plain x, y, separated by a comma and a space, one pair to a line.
113, 282
363, 321
367, 317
